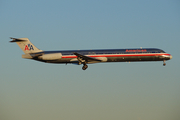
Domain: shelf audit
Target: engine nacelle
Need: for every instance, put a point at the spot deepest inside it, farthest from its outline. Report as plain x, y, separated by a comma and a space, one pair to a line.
103, 59
53, 56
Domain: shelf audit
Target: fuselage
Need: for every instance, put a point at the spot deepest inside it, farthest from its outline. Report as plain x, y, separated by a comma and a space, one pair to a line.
109, 55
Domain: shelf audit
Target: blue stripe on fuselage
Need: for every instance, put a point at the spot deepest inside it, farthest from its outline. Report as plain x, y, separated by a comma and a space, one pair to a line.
106, 51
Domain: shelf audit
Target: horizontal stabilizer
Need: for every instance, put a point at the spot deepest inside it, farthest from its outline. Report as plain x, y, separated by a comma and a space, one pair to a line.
16, 40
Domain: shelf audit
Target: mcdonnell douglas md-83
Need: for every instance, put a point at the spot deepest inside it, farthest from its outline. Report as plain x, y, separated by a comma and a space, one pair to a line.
90, 56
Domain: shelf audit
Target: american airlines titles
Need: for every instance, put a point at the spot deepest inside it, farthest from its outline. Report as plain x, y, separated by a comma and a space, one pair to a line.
141, 50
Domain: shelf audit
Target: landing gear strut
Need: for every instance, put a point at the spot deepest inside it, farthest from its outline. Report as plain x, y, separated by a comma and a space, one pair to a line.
85, 67
164, 64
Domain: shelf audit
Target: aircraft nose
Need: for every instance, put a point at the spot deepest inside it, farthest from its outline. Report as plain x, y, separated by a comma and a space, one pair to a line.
170, 56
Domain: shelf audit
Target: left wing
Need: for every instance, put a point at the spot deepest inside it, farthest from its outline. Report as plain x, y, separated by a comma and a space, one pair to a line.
86, 58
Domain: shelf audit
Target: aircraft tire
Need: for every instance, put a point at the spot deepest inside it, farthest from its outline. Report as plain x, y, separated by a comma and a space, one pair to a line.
164, 64
85, 67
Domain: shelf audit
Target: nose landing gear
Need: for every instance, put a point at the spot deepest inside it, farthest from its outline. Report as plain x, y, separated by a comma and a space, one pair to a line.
164, 64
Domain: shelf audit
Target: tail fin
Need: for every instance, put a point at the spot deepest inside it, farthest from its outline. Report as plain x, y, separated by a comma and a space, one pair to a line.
25, 45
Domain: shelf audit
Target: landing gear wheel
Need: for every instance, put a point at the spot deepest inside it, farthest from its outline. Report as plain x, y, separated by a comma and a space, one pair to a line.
85, 67
164, 64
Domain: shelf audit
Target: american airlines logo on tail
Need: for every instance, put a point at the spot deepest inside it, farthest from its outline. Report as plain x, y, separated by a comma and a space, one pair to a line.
29, 47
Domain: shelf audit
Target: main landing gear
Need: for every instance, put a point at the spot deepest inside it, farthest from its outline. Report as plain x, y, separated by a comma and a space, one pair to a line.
164, 64
81, 60
84, 67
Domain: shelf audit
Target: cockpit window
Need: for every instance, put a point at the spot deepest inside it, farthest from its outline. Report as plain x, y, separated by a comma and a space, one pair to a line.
162, 51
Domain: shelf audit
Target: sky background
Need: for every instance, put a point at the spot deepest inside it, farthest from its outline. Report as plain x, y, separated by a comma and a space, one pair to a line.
31, 90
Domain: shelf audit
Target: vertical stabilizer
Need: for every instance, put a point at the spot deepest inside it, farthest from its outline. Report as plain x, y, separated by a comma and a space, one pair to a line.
25, 45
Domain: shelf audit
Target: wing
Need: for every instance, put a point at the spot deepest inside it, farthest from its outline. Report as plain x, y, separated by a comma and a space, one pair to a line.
86, 58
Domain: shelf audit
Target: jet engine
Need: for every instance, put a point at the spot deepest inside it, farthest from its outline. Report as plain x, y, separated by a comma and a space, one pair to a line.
53, 56
103, 59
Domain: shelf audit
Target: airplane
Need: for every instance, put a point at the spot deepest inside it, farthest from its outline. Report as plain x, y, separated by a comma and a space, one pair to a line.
90, 56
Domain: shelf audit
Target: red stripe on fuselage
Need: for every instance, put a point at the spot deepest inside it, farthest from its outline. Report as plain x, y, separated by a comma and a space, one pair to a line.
118, 55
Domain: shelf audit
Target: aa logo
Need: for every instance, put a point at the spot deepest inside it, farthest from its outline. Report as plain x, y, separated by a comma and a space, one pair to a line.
28, 47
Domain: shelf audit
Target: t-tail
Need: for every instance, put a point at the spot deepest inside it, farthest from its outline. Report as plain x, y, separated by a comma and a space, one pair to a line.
26, 46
